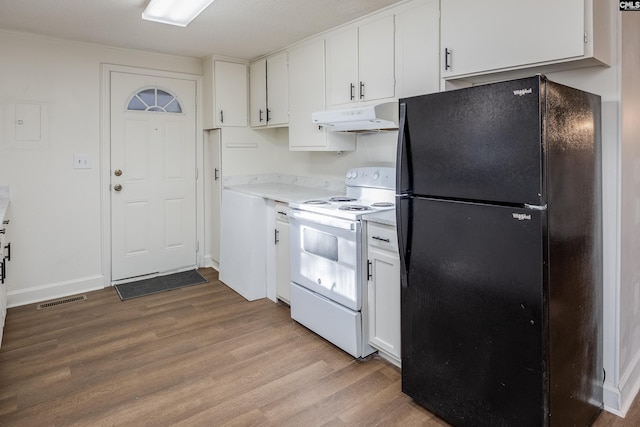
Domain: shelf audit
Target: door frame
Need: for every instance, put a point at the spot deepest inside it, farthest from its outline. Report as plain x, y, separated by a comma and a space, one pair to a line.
105, 160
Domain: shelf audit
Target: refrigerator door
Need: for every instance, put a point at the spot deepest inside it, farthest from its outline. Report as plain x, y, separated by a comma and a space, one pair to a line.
472, 313
480, 143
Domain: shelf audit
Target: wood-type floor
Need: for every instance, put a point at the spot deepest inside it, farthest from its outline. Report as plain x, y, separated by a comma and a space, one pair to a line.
197, 356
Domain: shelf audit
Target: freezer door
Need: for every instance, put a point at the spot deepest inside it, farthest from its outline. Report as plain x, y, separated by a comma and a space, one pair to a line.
480, 143
472, 313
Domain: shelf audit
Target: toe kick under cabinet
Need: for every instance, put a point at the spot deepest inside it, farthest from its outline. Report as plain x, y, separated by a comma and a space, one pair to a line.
383, 291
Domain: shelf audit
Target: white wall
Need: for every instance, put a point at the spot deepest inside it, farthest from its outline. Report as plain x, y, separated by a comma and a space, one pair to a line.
629, 309
55, 209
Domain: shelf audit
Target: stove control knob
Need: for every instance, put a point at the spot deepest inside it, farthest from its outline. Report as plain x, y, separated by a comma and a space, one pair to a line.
376, 175
354, 174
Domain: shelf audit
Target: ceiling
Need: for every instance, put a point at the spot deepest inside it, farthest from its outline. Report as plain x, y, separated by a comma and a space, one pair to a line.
242, 29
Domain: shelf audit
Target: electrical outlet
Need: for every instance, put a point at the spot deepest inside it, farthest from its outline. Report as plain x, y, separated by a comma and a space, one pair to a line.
81, 161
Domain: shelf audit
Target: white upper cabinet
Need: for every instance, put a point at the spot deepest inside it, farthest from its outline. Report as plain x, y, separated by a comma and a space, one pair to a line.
306, 95
258, 92
360, 63
268, 84
417, 48
225, 93
278, 89
502, 35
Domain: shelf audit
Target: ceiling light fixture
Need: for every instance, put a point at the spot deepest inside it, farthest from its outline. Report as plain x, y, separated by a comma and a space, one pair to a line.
174, 12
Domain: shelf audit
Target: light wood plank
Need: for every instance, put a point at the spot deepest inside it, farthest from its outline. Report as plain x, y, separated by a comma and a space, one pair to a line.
200, 355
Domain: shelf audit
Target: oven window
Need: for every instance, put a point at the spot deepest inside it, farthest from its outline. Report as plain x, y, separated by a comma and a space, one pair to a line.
321, 244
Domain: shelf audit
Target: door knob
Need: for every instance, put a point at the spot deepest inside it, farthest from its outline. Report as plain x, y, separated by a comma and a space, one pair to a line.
117, 172
117, 187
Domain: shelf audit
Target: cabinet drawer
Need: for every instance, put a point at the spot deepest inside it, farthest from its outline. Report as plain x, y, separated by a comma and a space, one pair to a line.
282, 212
382, 236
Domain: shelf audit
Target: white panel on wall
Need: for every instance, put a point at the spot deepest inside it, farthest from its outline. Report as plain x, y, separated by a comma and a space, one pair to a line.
28, 122
25, 126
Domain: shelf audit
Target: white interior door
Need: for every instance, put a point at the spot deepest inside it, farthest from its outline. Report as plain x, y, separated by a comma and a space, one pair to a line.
153, 175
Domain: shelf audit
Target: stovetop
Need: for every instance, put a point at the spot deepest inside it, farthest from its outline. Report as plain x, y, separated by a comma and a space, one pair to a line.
368, 190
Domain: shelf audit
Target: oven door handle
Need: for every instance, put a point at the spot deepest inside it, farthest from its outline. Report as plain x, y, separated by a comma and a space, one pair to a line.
316, 218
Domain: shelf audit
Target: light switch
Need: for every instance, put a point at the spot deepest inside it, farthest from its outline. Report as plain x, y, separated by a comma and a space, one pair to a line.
81, 161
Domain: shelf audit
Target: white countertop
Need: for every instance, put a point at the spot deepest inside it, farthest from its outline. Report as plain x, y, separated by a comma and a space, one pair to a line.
387, 217
282, 192
285, 188
4, 202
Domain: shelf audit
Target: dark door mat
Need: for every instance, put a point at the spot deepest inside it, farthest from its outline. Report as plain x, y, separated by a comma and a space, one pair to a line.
159, 284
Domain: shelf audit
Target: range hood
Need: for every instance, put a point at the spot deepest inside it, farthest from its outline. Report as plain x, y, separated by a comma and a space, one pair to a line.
369, 118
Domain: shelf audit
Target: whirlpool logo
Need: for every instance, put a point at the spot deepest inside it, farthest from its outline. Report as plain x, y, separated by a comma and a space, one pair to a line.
521, 216
630, 5
521, 92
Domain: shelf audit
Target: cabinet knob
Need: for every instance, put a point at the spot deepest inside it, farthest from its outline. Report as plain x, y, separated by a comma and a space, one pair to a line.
117, 172
117, 187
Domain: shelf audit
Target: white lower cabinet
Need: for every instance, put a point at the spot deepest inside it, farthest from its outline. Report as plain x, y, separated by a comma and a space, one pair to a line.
5, 256
243, 249
383, 294
283, 253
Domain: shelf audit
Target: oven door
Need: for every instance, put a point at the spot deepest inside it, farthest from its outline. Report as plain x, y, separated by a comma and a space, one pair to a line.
326, 256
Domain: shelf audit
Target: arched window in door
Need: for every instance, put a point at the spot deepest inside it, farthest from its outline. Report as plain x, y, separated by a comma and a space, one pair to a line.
154, 99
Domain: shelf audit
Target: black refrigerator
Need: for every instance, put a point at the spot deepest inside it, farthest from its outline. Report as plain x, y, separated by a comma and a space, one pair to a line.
499, 227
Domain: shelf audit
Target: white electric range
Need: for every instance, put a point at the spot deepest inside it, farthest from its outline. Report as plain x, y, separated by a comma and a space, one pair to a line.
328, 260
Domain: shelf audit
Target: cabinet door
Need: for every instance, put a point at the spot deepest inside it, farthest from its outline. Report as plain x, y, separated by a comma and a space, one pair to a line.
306, 95
417, 50
278, 89
498, 34
258, 92
384, 301
342, 67
230, 86
376, 49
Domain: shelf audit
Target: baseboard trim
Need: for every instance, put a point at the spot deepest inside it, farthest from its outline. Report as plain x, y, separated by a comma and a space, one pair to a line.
612, 400
628, 388
54, 290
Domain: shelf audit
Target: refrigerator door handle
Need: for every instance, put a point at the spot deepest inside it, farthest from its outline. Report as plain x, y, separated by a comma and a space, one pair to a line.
536, 207
403, 224
403, 164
